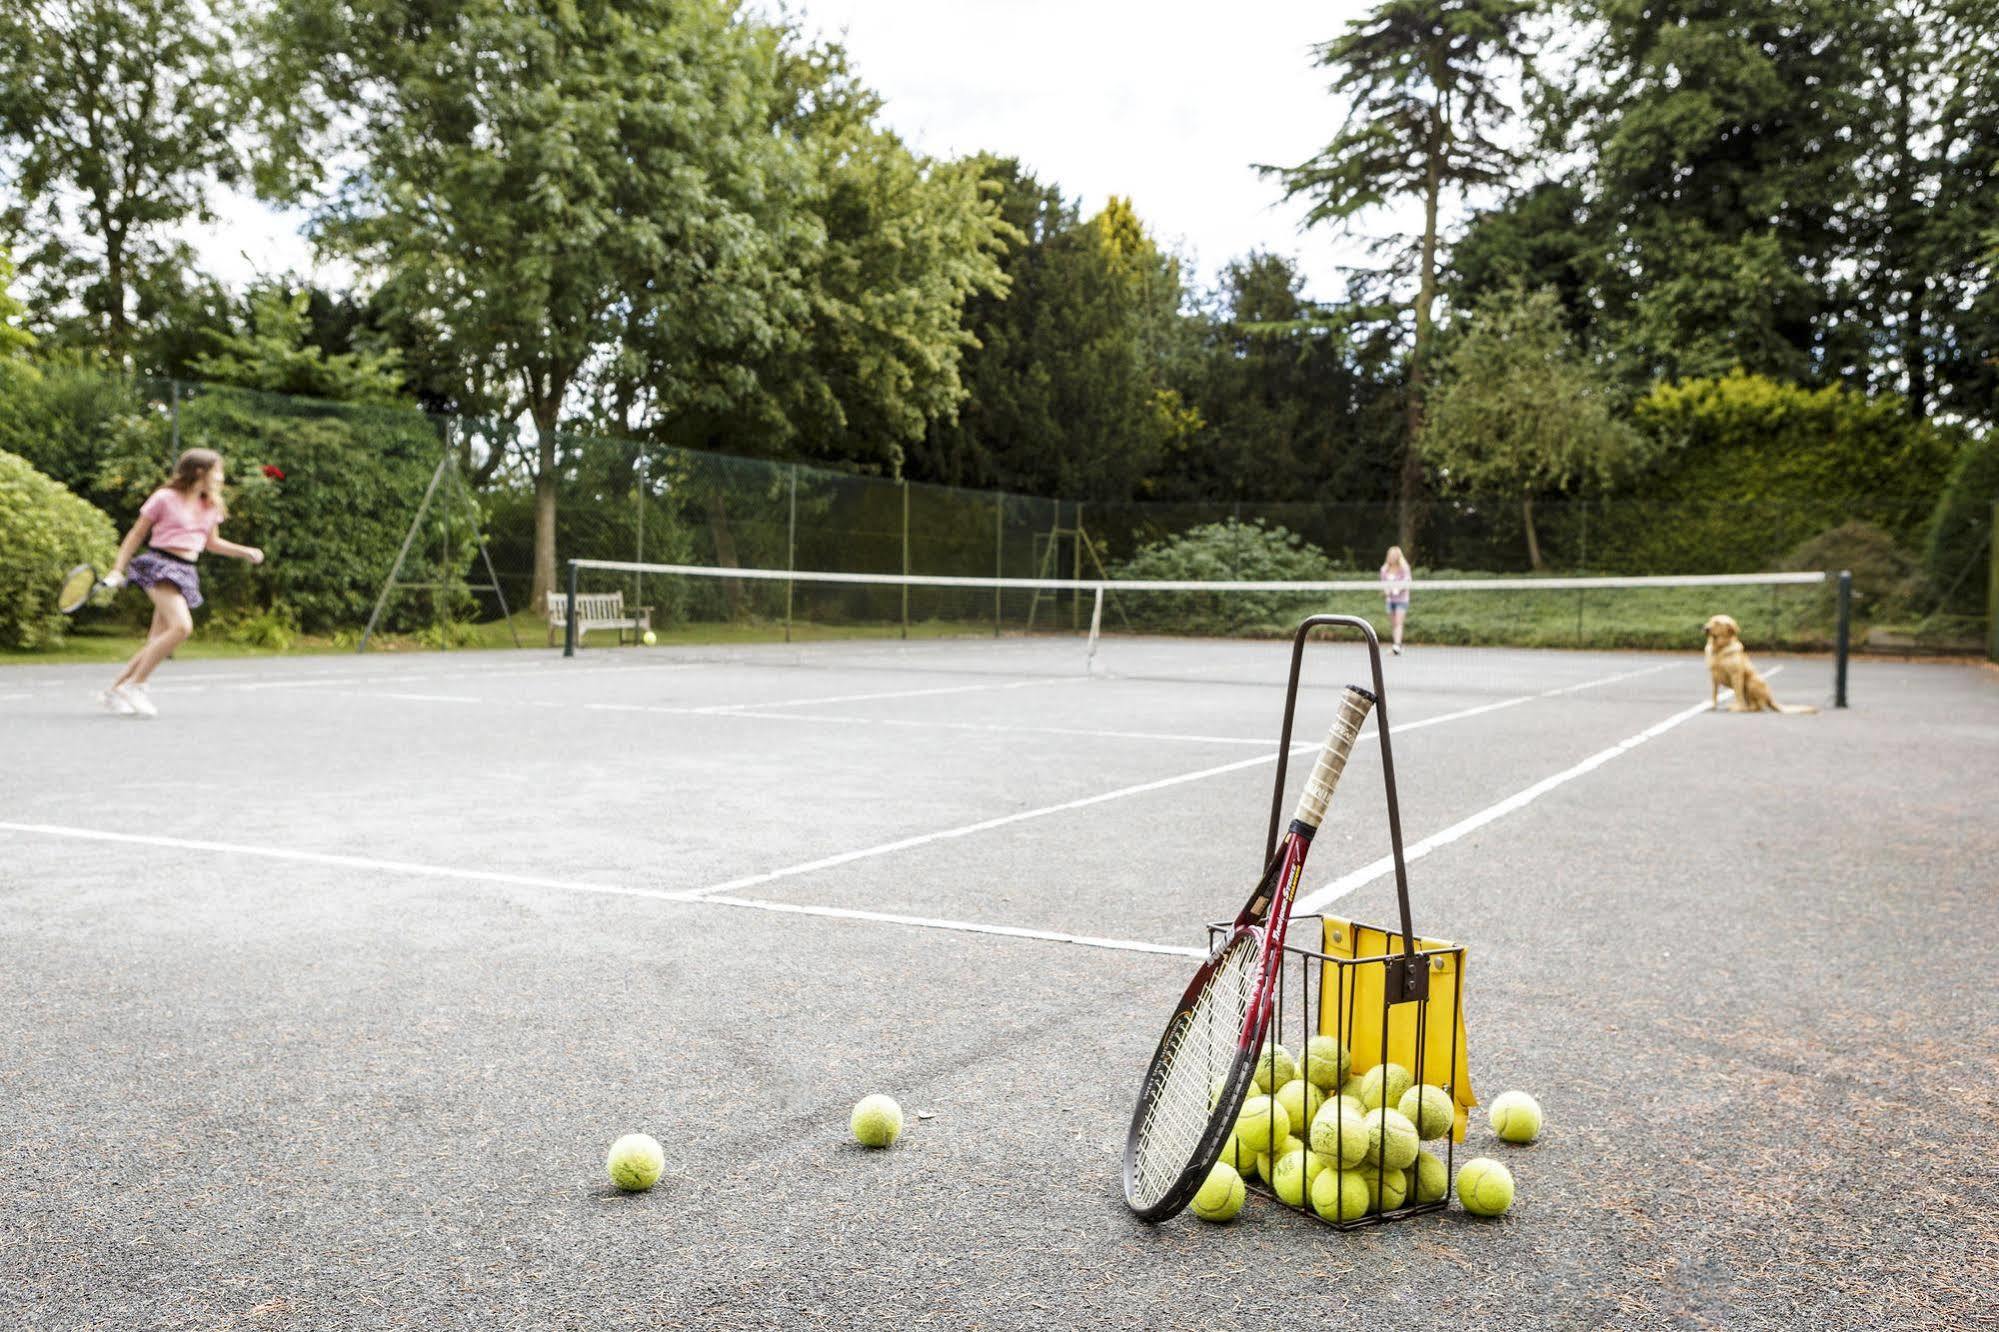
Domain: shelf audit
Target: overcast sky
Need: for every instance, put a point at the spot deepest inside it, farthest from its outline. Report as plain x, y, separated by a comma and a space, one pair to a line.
1169, 103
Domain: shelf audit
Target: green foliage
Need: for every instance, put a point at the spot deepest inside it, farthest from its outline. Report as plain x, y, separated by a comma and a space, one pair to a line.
44, 531
1749, 467
1224, 550
14, 341
273, 630
1956, 545
121, 116
275, 355
1883, 569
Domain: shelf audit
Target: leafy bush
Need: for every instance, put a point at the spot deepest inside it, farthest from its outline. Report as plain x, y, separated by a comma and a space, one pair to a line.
272, 630
1883, 571
1219, 551
1750, 467
1960, 528
44, 529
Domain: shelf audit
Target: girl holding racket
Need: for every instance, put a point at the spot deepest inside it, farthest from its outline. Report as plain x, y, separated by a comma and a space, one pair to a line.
1395, 580
177, 523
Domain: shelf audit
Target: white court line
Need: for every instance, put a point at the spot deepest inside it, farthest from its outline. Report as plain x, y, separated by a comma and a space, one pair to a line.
340, 861
892, 693
999, 728
959, 926
1367, 874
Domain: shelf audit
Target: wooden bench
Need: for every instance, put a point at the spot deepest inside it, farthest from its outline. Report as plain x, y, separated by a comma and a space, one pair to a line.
597, 610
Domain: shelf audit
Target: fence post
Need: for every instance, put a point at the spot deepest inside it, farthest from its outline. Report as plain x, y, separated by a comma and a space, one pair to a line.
790, 551
173, 390
1842, 638
999, 556
905, 556
569, 616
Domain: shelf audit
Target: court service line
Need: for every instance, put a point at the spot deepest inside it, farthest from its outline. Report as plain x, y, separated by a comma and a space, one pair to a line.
718, 708
957, 926
1492, 813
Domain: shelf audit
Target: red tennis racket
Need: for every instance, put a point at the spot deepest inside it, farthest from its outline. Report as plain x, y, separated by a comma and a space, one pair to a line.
1215, 1033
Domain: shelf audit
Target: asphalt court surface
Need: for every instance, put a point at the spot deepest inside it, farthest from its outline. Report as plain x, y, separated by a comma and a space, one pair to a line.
329, 987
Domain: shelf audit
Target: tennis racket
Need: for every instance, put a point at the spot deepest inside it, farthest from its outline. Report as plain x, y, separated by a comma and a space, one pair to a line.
1180, 1124
79, 585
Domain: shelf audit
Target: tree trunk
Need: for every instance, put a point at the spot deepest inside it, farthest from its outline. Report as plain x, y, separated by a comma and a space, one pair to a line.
545, 413
1533, 538
117, 332
725, 551
1409, 488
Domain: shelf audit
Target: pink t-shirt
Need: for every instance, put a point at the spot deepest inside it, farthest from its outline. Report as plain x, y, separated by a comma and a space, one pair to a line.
181, 523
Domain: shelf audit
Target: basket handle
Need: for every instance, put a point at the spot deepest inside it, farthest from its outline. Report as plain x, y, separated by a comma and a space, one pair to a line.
1410, 974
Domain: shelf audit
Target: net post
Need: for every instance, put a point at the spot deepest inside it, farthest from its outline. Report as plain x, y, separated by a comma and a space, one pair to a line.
569, 615
1992, 589
1076, 565
1096, 629
999, 557
791, 551
905, 556
1842, 638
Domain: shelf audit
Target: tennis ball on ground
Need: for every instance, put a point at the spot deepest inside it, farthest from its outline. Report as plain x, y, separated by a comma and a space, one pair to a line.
1291, 1178
1386, 1189
1274, 1068
635, 1162
649, 638
1263, 1123
1339, 1195
876, 1121
1383, 1085
1485, 1187
1326, 1062
1221, 1194
1432, 1181
1391, 1140
1339, 1133
1430, 1109
1301, 1100
1266, 1161
1515, 1116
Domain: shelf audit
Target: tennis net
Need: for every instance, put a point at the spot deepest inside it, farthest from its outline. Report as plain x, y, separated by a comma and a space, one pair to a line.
1469, 631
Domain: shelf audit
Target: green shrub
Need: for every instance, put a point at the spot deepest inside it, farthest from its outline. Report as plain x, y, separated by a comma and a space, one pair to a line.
1217, 551
1955, 548
44, 530
1883, 571
272, 630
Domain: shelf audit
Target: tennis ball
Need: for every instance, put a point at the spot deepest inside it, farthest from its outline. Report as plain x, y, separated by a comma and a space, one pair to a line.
1353, 1103
1238, 1155
1221, 1194
1301, 1100
1339, 1133
1515, 1116
1274, 1068
1391, 1139
1291, 1178
1326, 1062
1339, 1195
1386, 1189
876, 1122
1266, 1162
1383, 1085
1430, 1109
1432, 1181
635, 1162
649, 638
1263, 1123
1485, 1187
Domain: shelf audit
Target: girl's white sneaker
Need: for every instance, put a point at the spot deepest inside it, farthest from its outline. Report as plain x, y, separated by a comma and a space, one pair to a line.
137, 700
114, 703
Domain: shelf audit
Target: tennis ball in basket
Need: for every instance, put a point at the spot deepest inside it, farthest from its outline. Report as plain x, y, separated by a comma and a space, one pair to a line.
1339, 1195
1262, 1123
1383, 1085
1326, 1062
876, 1121
649, 638
1339, 1133
1291, 1178
1274, 1068
1386, 1189
1432, 1181
1391, 1140
1430, 1109
1266, 1162
1238, 1155
1515, 1116
1221, 1194
1301, 1100
635, 1162
1485, 1187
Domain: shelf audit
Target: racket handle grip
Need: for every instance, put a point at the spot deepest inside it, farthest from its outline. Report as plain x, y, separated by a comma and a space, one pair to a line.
1355, 704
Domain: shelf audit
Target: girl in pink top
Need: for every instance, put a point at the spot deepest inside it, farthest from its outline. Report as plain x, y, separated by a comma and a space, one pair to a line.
1395, 579
177, 523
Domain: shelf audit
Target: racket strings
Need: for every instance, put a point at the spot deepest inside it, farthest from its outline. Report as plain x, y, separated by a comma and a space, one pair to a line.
76, 589
1200, 1047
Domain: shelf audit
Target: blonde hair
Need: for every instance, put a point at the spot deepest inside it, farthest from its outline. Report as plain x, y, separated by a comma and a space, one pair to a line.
1396, 560
194, 473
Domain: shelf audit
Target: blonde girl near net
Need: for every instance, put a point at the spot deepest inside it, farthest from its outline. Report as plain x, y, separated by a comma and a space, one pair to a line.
1395, 580
176, 524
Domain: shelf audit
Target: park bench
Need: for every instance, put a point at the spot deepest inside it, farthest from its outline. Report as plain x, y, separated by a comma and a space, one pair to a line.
597, 610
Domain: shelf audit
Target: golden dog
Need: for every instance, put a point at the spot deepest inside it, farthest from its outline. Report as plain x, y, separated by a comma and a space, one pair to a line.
1728, 664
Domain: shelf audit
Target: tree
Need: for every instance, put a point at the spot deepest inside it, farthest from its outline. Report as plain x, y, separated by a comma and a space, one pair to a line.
1517, 412
1426, 87
275, 354
548, 183
14, 340
117, 115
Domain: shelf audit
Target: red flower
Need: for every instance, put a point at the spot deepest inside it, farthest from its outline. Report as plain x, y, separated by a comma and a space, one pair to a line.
276, 474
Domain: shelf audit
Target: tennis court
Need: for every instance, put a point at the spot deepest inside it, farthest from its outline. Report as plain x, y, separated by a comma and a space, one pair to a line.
326, 991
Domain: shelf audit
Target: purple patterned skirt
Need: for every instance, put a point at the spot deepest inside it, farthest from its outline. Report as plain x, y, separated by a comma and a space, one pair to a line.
149, 567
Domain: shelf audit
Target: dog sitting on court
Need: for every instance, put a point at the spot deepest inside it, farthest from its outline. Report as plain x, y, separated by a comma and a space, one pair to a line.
1728, 664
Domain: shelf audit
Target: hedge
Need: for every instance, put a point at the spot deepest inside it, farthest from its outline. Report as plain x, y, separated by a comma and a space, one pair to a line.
44, 530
